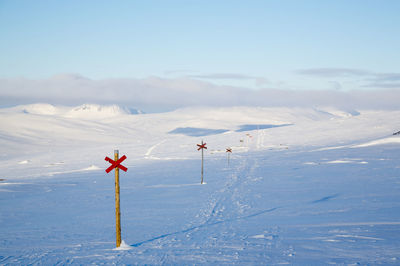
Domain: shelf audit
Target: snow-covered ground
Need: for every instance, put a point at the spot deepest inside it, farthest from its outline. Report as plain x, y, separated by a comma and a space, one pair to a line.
303, 186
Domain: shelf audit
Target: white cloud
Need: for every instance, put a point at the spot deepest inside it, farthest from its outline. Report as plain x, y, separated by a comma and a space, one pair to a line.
334, 72
367, 79
231, 76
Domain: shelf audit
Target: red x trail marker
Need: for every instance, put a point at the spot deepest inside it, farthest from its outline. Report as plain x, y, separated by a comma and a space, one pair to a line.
115, 164
229, 150
202, 146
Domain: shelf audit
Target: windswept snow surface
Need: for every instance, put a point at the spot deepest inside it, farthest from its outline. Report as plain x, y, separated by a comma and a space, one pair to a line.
314, 187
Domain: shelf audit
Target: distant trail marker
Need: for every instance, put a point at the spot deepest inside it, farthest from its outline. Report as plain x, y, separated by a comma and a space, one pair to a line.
228, 151
249, 137
116, 164
202, 146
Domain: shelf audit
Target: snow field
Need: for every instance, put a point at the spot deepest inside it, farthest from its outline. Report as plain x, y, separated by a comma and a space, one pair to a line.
305, 194
268, 208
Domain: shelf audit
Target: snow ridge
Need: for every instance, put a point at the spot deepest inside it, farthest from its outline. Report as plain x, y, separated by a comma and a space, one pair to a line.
96, 111
40, 109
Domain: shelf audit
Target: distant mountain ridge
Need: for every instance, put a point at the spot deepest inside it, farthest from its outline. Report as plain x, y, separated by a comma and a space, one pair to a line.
83, 111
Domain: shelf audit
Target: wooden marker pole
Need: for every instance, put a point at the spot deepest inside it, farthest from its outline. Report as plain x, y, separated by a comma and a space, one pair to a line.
117, 205
202, 146
202, 163
116, 165
228, 151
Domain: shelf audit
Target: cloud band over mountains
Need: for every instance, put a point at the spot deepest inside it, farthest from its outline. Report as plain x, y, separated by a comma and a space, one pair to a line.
159, 94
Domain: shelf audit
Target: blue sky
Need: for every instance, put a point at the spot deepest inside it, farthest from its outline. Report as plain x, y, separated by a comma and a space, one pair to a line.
289, 45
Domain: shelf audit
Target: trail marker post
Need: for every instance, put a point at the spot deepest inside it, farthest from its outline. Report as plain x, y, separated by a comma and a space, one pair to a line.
202, 146
241, 142
249, 137
228, 151
116, 164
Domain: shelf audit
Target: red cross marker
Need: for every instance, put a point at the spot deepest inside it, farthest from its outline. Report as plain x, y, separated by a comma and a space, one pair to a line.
202, 146
229, 150
115, 164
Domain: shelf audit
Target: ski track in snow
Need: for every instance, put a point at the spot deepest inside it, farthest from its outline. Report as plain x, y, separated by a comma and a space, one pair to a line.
150, 150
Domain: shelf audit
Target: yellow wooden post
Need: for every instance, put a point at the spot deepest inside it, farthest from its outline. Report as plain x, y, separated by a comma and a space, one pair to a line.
117, 205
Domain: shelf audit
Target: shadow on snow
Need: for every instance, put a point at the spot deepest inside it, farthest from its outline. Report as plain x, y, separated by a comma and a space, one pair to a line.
205, 225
